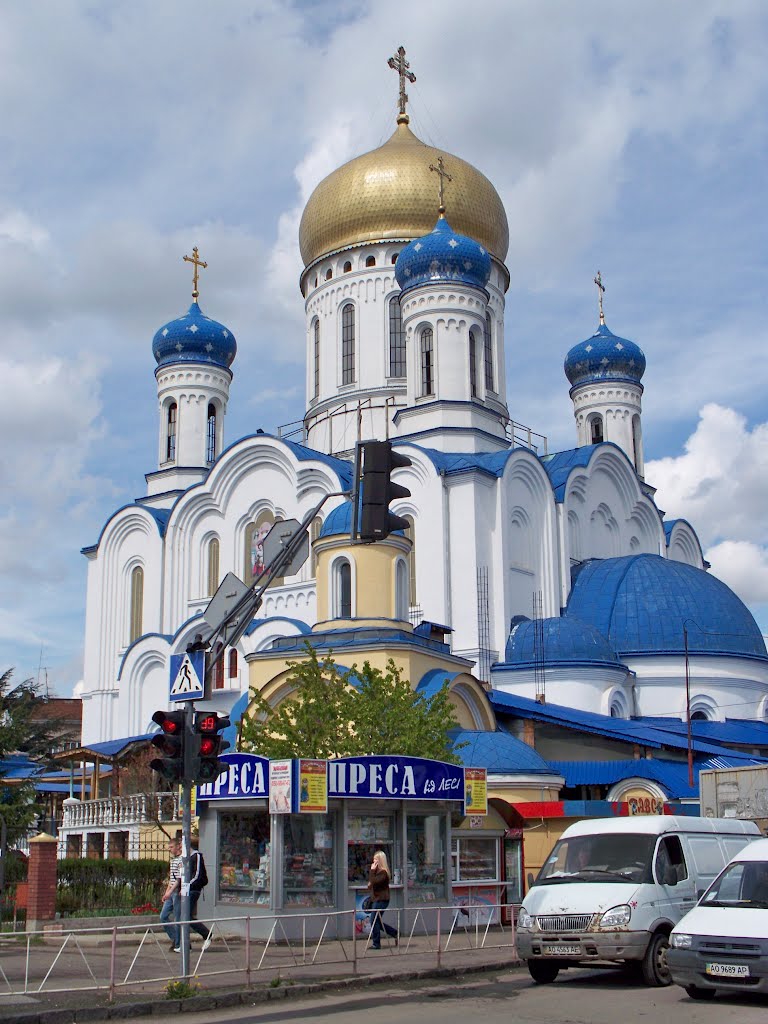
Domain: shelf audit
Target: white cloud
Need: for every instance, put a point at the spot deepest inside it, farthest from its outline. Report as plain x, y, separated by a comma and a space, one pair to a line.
744, 565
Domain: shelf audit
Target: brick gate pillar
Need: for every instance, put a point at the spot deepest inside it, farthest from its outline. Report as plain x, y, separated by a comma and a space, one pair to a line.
41, 877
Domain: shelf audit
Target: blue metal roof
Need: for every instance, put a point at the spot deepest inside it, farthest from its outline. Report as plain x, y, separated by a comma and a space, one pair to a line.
604, 356
623, 730
499, 752
433, 681
642, 603
733, 730
560, 464
565, 641
455, 463
442, 255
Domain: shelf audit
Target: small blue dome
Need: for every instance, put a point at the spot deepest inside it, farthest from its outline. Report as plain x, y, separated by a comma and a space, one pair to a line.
565, 641
194, 338
338, 521
498, 752
443, 255
604, 356
642, 603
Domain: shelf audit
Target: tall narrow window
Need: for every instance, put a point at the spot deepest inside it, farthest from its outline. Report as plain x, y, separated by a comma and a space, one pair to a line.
213, 566
316, 355
348, 344
210, 446
396, 339
137, 604
427, 363
401, 591
232, 667
218, 675
488, 354
472, 364
410, 533
170, 446
596, 429
314, 533
343, 578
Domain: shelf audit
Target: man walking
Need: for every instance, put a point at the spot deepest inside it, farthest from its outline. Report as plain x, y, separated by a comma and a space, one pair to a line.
171, 896
197, 882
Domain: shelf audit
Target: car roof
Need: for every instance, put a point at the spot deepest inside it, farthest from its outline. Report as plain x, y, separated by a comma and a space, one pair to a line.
757, 850
656, 824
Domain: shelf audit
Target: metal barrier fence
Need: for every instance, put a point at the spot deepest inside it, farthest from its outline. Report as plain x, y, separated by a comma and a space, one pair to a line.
130, 957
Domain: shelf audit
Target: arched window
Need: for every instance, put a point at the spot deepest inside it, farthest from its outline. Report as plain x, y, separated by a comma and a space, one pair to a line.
314, 532
596, 429
328, 274
218, 672
637, 451
232, 667
316, 354
699, 716
427, 363
488, 354
394, 257
255, 534
210, 446
401, 591
370, 261
170, 445
347, 267
213, 566
472, 364
396, 339
410, 533
137, 604
342, 590
315, 280
348, 344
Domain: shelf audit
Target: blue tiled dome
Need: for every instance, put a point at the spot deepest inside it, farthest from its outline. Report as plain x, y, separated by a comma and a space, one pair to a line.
443, 255
338, 521
642, 602
498, 752
566, 641
604, 356
194, 338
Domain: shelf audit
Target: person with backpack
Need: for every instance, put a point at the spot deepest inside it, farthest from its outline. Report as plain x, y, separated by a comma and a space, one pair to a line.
198, 879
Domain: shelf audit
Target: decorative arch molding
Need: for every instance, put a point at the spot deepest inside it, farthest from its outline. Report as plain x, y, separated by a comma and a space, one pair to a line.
334, 567
701, 704
619, 792
683, 544
471, 693
129, 521
615, 703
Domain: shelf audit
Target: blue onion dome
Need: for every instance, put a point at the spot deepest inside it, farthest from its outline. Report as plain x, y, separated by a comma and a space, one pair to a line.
338, 521
194, 338
443, 255
646, 604
564, 641
604, 356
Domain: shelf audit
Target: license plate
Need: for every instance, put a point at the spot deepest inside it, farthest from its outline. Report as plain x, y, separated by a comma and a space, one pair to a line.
728, 970
562, 950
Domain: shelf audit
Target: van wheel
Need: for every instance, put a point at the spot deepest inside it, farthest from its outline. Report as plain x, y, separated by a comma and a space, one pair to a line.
654, 967
700, 993
542, 971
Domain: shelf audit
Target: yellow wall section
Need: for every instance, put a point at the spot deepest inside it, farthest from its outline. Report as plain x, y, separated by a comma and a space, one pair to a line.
373, 576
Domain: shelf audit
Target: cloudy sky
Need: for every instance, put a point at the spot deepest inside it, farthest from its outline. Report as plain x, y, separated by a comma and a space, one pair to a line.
628, 137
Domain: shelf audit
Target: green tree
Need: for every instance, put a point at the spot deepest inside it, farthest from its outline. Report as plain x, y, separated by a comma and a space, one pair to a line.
21, 732
335, 713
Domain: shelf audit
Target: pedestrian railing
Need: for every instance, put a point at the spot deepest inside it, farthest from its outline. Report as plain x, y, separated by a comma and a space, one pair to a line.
244, 950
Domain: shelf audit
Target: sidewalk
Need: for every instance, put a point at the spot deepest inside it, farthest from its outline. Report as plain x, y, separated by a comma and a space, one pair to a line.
231, 972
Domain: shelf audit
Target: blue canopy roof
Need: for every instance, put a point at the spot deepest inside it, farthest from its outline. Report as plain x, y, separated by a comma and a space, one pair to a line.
499, 752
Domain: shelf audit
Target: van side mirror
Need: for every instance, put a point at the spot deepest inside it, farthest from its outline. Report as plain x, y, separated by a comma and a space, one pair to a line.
670, 875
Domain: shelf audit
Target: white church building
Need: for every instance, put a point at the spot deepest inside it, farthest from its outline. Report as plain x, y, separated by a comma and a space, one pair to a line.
558, 575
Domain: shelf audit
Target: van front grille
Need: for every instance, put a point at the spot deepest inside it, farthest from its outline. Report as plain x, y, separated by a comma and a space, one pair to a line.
564, 922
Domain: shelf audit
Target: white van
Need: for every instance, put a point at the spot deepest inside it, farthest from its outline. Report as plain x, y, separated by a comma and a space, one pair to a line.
612, 889
723, 942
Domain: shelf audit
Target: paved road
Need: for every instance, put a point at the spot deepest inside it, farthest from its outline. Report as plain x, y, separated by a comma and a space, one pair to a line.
578, 997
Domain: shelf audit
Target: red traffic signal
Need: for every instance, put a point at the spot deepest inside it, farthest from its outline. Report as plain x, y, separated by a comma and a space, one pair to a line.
170, 741
208, 745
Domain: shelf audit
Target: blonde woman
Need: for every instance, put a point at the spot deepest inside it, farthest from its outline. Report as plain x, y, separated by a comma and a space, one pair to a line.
378, 883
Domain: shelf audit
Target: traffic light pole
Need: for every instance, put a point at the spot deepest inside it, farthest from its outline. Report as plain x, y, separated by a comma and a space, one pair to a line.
186, 845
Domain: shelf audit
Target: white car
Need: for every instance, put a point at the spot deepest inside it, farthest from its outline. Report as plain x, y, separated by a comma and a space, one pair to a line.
722, 944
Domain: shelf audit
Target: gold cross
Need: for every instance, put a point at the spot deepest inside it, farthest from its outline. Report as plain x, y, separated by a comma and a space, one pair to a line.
444, 176
600, 290
399, 64
195, 259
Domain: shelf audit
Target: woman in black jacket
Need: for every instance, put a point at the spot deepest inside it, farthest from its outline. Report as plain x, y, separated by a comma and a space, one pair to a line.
378, 883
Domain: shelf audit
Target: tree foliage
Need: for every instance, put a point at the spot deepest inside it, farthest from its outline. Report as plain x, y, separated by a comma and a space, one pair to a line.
334, 713
21, 732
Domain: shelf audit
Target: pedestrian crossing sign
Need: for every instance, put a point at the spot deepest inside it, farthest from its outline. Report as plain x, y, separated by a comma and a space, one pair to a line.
187, 676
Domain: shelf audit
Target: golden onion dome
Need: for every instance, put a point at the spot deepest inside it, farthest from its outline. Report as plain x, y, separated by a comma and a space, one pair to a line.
391, 193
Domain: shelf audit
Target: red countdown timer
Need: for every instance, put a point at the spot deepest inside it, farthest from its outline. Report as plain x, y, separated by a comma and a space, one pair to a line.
207, 723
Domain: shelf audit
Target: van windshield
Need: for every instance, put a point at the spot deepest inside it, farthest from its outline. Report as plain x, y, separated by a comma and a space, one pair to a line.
740, 884
601, 858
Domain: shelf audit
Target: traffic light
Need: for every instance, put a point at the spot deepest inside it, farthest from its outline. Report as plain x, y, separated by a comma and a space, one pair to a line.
170, 740
378, 490
205, 765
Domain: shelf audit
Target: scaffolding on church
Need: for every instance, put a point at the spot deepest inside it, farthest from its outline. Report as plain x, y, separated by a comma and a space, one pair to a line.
538, 649
483, 626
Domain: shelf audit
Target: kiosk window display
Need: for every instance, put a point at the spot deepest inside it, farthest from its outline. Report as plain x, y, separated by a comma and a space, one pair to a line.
425, 869
244, 858
367, 833
308, 860
474, 859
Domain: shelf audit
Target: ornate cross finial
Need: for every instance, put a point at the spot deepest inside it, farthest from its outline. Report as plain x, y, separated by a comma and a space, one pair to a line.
444, 176
195, 259
399, 64
600, 290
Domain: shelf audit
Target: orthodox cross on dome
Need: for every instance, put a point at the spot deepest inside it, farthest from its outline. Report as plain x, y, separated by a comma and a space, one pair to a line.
195, 259
399, 64
444, 176
600, 290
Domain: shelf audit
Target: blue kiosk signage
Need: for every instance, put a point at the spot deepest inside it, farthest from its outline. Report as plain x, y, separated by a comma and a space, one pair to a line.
381, 777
